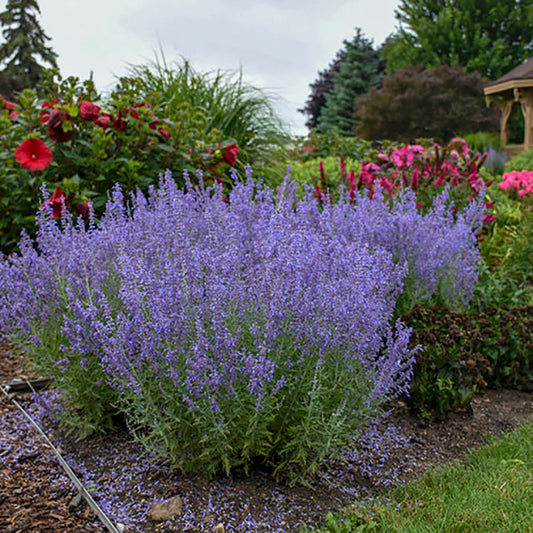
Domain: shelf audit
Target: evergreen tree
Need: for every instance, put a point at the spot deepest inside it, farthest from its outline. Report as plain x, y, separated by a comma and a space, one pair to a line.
25, 40
488, 36
359, 70
319, 90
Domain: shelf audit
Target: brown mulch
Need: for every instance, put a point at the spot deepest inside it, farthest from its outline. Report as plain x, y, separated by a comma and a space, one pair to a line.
35, 494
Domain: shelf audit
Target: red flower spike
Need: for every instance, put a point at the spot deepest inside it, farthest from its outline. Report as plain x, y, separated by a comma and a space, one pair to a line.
318, 193
343, 168
33, 154
323, 181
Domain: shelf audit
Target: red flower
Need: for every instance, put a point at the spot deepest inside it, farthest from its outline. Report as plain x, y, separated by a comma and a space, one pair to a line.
230, 154
33, 154
8, 104
50, 104
56, 202
55, 126
164, 133
83, 209
153, 124
88, 110
13, 115
103, 121
119, 123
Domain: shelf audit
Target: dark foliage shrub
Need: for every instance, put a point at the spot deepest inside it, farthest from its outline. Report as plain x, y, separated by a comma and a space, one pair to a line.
438, 103
464, 352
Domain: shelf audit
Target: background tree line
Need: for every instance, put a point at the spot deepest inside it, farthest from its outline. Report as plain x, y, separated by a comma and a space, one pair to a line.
426, 79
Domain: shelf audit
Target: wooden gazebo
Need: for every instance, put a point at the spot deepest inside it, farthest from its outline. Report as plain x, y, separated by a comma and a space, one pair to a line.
514, 87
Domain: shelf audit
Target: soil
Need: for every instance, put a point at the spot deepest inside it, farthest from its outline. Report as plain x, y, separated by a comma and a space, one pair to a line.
36, 496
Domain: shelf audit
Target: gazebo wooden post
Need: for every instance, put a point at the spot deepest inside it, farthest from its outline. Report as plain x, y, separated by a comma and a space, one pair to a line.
525, 97
506, 107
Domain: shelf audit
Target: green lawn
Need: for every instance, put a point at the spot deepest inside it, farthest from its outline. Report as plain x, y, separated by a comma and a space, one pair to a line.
490, 492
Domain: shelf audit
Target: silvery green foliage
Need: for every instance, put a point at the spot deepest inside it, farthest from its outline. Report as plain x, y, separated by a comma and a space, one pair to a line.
257, 328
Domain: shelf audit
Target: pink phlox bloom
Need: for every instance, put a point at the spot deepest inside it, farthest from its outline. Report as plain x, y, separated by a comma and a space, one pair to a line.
402, 157
417, 150
372, 167
461, 145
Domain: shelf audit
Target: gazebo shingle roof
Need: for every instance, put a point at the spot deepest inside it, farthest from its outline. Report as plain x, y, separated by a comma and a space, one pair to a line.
521, 72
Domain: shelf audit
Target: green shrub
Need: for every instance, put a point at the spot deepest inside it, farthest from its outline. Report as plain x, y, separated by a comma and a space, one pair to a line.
481, 141
309, 173
522, 161
332, 143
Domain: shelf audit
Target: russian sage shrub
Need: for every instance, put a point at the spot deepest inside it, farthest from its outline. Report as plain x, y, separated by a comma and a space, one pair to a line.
251, 330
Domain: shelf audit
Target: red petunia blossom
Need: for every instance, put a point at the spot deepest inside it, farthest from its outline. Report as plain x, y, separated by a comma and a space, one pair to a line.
33, 154
13, 115
88, 110
230, 154
56, 202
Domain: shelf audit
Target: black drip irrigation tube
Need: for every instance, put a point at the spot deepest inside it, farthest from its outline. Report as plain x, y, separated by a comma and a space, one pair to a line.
19, 387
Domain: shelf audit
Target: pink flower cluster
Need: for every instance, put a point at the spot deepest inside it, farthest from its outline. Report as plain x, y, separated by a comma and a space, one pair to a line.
519, 180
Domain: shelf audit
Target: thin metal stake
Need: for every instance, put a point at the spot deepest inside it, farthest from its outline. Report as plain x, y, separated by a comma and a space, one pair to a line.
70, 473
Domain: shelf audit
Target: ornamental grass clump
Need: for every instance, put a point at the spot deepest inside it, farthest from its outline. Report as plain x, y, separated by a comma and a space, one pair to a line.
254, 329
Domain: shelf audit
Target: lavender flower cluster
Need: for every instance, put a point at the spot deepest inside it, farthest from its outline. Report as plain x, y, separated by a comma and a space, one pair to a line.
257, 328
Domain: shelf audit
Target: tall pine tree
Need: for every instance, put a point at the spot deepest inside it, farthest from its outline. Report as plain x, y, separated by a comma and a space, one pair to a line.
25, 41
359, 70
319, 90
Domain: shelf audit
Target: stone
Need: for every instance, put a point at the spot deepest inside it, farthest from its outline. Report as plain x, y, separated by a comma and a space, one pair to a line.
165, 510
75, 501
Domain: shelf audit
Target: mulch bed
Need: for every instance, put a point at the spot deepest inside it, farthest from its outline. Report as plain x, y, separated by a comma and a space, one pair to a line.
36, 496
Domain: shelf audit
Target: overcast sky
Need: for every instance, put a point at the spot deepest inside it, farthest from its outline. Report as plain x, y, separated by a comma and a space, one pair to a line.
279, 44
